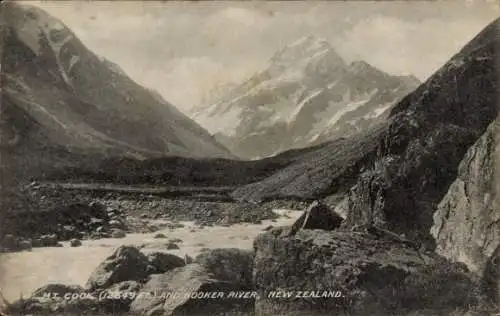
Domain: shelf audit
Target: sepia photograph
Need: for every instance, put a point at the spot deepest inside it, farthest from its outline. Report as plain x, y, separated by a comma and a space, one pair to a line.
250, 158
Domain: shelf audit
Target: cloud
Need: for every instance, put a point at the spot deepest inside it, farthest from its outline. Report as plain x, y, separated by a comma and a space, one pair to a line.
183, 49
404, 47
188, 80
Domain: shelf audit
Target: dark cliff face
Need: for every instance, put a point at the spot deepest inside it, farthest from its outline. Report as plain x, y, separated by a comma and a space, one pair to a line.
466, 222
428, 135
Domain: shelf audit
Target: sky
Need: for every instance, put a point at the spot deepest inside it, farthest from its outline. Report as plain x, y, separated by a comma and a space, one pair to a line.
184, 50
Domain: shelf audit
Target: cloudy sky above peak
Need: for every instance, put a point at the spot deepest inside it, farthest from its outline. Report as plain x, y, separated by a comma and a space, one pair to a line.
184, 50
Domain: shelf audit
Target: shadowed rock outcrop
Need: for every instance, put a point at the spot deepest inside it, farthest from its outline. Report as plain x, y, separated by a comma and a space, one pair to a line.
466, 222
316, 216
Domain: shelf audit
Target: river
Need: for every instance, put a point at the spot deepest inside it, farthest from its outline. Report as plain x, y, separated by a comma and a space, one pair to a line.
24, 272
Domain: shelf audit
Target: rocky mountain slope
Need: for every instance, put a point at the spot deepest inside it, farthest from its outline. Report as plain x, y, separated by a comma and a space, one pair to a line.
428, 135
307, 95
330, 168
414, 157
59, 98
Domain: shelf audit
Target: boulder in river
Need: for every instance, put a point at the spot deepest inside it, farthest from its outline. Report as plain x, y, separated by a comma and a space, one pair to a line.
36, 242
114, 223
25, 244
10, 242
67, 232
118, 233
126, 263
172, 246
49, 240
75, 242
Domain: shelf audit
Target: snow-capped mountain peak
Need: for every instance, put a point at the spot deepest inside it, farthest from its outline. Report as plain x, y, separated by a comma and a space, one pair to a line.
307, 94
305, 51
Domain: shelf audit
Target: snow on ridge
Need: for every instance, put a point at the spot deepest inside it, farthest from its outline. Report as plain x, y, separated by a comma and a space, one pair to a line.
58, 26
73, 61
298, 42
317, 55
332, 84
328, 118
301, 105
301, 49
44, 25
225, 123
379, 110
312, 42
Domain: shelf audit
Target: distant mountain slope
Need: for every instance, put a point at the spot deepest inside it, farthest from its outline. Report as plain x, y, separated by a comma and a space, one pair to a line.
58, 94
307, 95
408, 164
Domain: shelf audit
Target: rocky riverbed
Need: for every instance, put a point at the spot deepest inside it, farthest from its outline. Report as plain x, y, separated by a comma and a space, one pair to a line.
74, 214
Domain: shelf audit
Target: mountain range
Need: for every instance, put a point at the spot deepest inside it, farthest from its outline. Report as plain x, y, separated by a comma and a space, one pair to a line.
307, 95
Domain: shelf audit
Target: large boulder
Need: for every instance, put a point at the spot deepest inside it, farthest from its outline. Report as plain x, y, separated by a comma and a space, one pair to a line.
321, 273
57, 289
317, 216
176, 293
49, 240
10, 242
163, 262
67, 232
229, 264
60, 299
119, 296
467, 221
150, 298
126, 263
75, 242
56, 299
